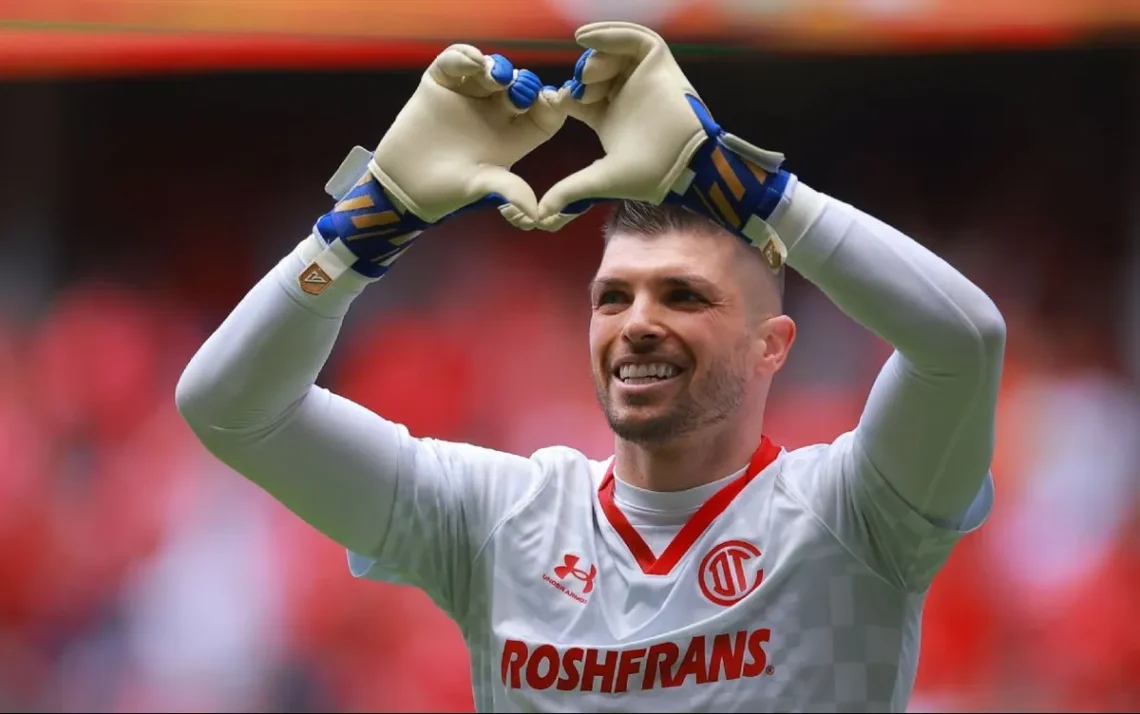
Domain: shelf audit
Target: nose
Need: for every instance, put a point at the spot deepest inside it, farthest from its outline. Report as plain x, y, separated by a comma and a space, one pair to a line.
643, 328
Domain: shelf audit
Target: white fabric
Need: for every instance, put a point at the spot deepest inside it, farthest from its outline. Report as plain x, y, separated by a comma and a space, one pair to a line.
851, 532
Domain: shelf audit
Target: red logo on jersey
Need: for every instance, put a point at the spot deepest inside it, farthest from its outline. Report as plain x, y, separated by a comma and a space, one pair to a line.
698, 660
725, 572
570, 567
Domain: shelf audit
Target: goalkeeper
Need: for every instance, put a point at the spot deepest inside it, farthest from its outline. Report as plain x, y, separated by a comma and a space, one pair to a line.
702, 567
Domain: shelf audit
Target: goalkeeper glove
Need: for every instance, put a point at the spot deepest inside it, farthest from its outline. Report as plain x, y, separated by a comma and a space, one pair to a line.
661, 143
448, 151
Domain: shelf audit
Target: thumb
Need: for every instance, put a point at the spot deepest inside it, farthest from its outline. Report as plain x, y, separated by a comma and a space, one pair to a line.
547, 112
452, 66
521, 207
589, 114
620, 38
573, 195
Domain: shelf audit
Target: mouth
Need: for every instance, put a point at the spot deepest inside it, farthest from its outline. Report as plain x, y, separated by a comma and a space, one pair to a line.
649, 373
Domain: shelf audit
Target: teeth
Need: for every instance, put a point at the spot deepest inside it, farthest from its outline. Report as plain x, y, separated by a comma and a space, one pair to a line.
639, 371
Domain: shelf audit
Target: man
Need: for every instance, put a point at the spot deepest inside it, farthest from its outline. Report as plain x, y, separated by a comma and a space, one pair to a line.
702, 567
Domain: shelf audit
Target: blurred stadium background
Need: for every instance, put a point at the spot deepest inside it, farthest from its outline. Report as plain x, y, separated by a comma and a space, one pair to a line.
158, 156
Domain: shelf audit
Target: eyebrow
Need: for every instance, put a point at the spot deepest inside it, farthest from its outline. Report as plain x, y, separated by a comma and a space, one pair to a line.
687, 281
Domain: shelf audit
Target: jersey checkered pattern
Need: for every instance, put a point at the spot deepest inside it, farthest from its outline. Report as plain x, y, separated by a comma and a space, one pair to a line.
797, 586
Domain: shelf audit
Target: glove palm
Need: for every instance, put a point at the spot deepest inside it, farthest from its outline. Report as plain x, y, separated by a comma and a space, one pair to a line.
449, 150
661, 142
471, 118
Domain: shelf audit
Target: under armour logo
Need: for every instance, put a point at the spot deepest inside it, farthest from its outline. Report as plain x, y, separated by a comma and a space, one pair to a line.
570, 567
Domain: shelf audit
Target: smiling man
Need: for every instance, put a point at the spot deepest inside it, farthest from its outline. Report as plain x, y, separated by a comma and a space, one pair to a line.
678, 305
702, 567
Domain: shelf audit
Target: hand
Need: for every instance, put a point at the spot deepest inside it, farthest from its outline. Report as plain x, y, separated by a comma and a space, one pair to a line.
627, 88
449, 150
661, 142
452, 145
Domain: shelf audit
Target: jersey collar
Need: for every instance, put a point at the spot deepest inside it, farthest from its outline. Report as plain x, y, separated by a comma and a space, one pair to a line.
697, 524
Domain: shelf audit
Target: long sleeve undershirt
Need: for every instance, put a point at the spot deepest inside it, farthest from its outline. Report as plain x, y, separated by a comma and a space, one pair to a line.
927, 430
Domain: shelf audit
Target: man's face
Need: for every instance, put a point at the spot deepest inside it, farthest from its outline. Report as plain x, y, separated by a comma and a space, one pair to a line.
676, 345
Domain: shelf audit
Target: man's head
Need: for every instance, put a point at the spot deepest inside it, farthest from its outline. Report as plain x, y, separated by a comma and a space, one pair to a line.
681, 298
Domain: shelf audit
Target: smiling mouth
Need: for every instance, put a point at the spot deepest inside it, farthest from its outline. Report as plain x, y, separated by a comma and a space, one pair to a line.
638, 374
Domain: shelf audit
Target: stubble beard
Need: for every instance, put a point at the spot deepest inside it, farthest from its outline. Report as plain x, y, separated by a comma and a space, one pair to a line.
716, 398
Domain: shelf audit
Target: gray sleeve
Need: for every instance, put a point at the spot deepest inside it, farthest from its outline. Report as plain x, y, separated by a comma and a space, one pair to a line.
417, 508
925, 440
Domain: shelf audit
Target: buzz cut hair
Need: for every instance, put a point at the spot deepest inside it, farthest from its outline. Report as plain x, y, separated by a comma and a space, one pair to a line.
647, 219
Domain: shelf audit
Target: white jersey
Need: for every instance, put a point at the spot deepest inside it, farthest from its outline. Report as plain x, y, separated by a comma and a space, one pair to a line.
795, 585
786, 587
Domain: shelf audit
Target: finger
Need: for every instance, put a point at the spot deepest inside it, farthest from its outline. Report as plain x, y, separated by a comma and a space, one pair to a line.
589, 93
593, 66
559, 220
455, 64
524, 89
522, 93
465, 69
498, 181
547, 114
573, 194
499, 74
590, 114
516, 217
620, 38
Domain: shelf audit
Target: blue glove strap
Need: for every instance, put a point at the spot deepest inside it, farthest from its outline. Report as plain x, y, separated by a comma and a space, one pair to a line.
368, 222
726, 187
370, 226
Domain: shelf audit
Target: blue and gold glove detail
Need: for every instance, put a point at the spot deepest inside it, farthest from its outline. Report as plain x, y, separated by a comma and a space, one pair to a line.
448, 151
731, 190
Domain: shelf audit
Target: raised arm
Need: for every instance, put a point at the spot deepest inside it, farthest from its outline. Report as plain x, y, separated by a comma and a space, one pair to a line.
418, 509
249, 394
928, 427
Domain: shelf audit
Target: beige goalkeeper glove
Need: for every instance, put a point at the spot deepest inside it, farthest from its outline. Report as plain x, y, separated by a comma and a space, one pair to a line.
449, 150
661, 142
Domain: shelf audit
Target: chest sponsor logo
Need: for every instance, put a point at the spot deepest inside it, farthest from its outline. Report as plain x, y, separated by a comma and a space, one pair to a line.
697, 660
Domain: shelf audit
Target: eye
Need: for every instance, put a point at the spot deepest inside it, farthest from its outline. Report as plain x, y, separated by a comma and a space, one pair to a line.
610, 297
685, 296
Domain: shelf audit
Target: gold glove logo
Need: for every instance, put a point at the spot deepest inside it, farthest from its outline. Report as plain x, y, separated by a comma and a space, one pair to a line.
314, 279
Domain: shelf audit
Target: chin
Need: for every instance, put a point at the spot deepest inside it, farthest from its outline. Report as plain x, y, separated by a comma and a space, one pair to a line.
645, 428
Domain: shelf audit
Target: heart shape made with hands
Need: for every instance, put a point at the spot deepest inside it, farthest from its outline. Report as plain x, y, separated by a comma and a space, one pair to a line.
452, 146
630, 90
473, 116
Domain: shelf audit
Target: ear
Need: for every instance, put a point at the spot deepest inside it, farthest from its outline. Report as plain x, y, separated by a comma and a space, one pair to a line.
773, 343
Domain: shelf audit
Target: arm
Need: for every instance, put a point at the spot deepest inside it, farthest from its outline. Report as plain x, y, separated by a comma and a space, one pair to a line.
913, 476
928, 427
415, 511
418, 507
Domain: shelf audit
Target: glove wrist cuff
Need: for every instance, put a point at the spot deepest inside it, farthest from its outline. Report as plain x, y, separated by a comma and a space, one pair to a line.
366, 231
372, 226
738, 194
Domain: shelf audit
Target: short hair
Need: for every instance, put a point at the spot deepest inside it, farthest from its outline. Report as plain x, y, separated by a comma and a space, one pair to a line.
648, 219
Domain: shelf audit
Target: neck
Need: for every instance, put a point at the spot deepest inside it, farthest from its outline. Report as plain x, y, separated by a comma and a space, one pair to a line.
685, 462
